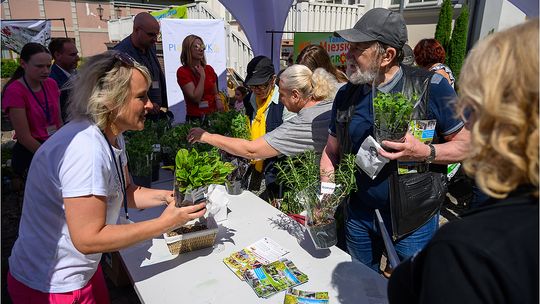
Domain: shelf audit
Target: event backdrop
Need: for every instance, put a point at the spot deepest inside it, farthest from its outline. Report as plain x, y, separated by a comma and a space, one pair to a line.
173, 32
336, 47
17, 33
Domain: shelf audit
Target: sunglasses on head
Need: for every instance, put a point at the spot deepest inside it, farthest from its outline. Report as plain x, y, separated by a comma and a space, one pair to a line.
120, 59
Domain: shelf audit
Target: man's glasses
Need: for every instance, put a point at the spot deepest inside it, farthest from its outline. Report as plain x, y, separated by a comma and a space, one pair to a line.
260, 87
153, 35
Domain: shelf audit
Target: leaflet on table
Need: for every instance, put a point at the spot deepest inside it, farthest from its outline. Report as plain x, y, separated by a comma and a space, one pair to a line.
274, 277
262, 252
295, 296
424, 131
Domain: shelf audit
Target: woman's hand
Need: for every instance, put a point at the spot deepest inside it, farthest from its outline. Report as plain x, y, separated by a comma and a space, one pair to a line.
198, 69
176, 217
196, 135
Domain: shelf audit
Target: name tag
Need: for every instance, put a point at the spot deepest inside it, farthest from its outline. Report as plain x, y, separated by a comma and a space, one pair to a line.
203, 104
51, 130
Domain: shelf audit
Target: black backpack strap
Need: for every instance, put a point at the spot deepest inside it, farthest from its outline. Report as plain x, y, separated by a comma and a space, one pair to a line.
344, 113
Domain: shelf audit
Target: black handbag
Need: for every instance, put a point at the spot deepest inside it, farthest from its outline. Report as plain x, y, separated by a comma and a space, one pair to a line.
414, 199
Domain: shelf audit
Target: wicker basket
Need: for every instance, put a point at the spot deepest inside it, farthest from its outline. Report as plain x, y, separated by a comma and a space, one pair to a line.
193, 240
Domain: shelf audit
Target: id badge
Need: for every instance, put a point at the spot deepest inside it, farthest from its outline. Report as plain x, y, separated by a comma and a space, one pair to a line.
51, 130
203, 104
155, 84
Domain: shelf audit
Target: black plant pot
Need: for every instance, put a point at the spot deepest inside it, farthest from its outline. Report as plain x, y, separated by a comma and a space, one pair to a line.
234, 187
143, 181
323, 236
396, 136
155, 172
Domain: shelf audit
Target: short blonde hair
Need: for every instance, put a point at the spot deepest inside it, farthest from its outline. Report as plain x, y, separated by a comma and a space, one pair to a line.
319, 84
499, 94
185, 55
101, 88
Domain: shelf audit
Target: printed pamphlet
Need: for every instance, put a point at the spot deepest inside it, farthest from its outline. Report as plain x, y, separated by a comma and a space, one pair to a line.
295, 296
424, 131
274, 277
262, 252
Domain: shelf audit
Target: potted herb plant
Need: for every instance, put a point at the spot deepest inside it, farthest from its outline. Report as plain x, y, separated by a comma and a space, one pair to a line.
239, 128
295, 174
194, 172
392, 112
320, 207
139, 148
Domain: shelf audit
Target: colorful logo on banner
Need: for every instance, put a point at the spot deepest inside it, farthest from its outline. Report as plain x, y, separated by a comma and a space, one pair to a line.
176, 12
15, 34
336, 47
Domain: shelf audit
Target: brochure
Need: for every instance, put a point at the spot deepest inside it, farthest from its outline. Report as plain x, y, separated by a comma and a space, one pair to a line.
274, 277
262, 252
295, 296
423, 130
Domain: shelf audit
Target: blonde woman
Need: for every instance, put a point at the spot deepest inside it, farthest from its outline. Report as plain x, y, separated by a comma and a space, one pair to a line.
77, 185
301, 91
490, 255
197, 79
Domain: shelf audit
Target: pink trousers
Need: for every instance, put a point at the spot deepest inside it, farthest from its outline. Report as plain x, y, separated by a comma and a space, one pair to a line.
95, 292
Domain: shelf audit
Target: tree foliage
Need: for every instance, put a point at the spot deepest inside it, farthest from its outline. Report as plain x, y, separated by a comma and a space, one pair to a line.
458, 44
444, 25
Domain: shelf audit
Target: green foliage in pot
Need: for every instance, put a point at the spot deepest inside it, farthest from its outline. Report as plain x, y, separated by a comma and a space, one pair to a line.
296, 173
392, 111
139, 148
197, 169
8, 67
220, 122
240, 126
321, 208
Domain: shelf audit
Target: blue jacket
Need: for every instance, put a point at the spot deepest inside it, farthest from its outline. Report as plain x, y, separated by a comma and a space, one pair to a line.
61, 78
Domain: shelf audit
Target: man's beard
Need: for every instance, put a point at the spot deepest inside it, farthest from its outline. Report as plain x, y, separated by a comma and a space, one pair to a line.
356, 76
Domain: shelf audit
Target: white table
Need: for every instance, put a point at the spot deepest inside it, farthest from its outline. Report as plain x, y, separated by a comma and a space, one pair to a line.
202, 277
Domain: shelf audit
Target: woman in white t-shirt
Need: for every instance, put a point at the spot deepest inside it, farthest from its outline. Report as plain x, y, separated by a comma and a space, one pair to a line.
77, 185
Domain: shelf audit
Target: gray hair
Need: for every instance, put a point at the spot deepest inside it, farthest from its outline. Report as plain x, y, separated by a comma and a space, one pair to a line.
319, 84
101, 88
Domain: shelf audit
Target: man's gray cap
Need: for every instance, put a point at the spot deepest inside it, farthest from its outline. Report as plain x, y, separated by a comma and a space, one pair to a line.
378, 24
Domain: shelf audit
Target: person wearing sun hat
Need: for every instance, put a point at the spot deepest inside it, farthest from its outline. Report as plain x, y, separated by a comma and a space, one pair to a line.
265, 113
374, 65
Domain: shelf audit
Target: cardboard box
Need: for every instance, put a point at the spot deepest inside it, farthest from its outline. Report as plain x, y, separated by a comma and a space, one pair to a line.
114, 269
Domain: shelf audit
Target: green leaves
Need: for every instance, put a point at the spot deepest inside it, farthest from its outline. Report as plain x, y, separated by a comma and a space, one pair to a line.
196, 169
392, 111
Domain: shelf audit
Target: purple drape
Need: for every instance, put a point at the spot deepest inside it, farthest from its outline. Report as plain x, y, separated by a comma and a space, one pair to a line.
258, 16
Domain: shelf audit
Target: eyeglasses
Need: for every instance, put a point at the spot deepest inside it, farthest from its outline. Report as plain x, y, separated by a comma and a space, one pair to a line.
150, 34
199, 47
122, 58
260, 87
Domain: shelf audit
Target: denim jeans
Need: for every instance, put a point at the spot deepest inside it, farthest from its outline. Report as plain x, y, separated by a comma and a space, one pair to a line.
365, 243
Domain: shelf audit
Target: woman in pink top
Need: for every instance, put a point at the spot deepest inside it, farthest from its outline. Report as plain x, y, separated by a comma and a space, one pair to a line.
32, 102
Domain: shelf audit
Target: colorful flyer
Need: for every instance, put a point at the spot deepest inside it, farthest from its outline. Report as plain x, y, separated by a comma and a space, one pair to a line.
262, 252
274, 277
295, 296
424, 131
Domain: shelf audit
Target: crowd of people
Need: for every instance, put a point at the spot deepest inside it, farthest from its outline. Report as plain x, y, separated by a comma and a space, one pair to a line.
71, 151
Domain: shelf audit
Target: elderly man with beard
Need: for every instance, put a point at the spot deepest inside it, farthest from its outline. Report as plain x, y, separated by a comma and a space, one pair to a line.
373, 66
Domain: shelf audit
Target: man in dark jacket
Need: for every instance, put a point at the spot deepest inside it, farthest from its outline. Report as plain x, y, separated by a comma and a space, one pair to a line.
66, 56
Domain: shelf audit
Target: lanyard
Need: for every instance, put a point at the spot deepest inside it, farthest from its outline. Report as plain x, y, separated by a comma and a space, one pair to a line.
118, 173
46, 108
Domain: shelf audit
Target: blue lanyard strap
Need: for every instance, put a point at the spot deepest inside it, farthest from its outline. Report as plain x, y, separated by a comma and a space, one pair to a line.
119, 174
46, 108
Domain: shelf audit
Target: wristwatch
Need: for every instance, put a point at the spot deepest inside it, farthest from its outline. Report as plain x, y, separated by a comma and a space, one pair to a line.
432, 154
